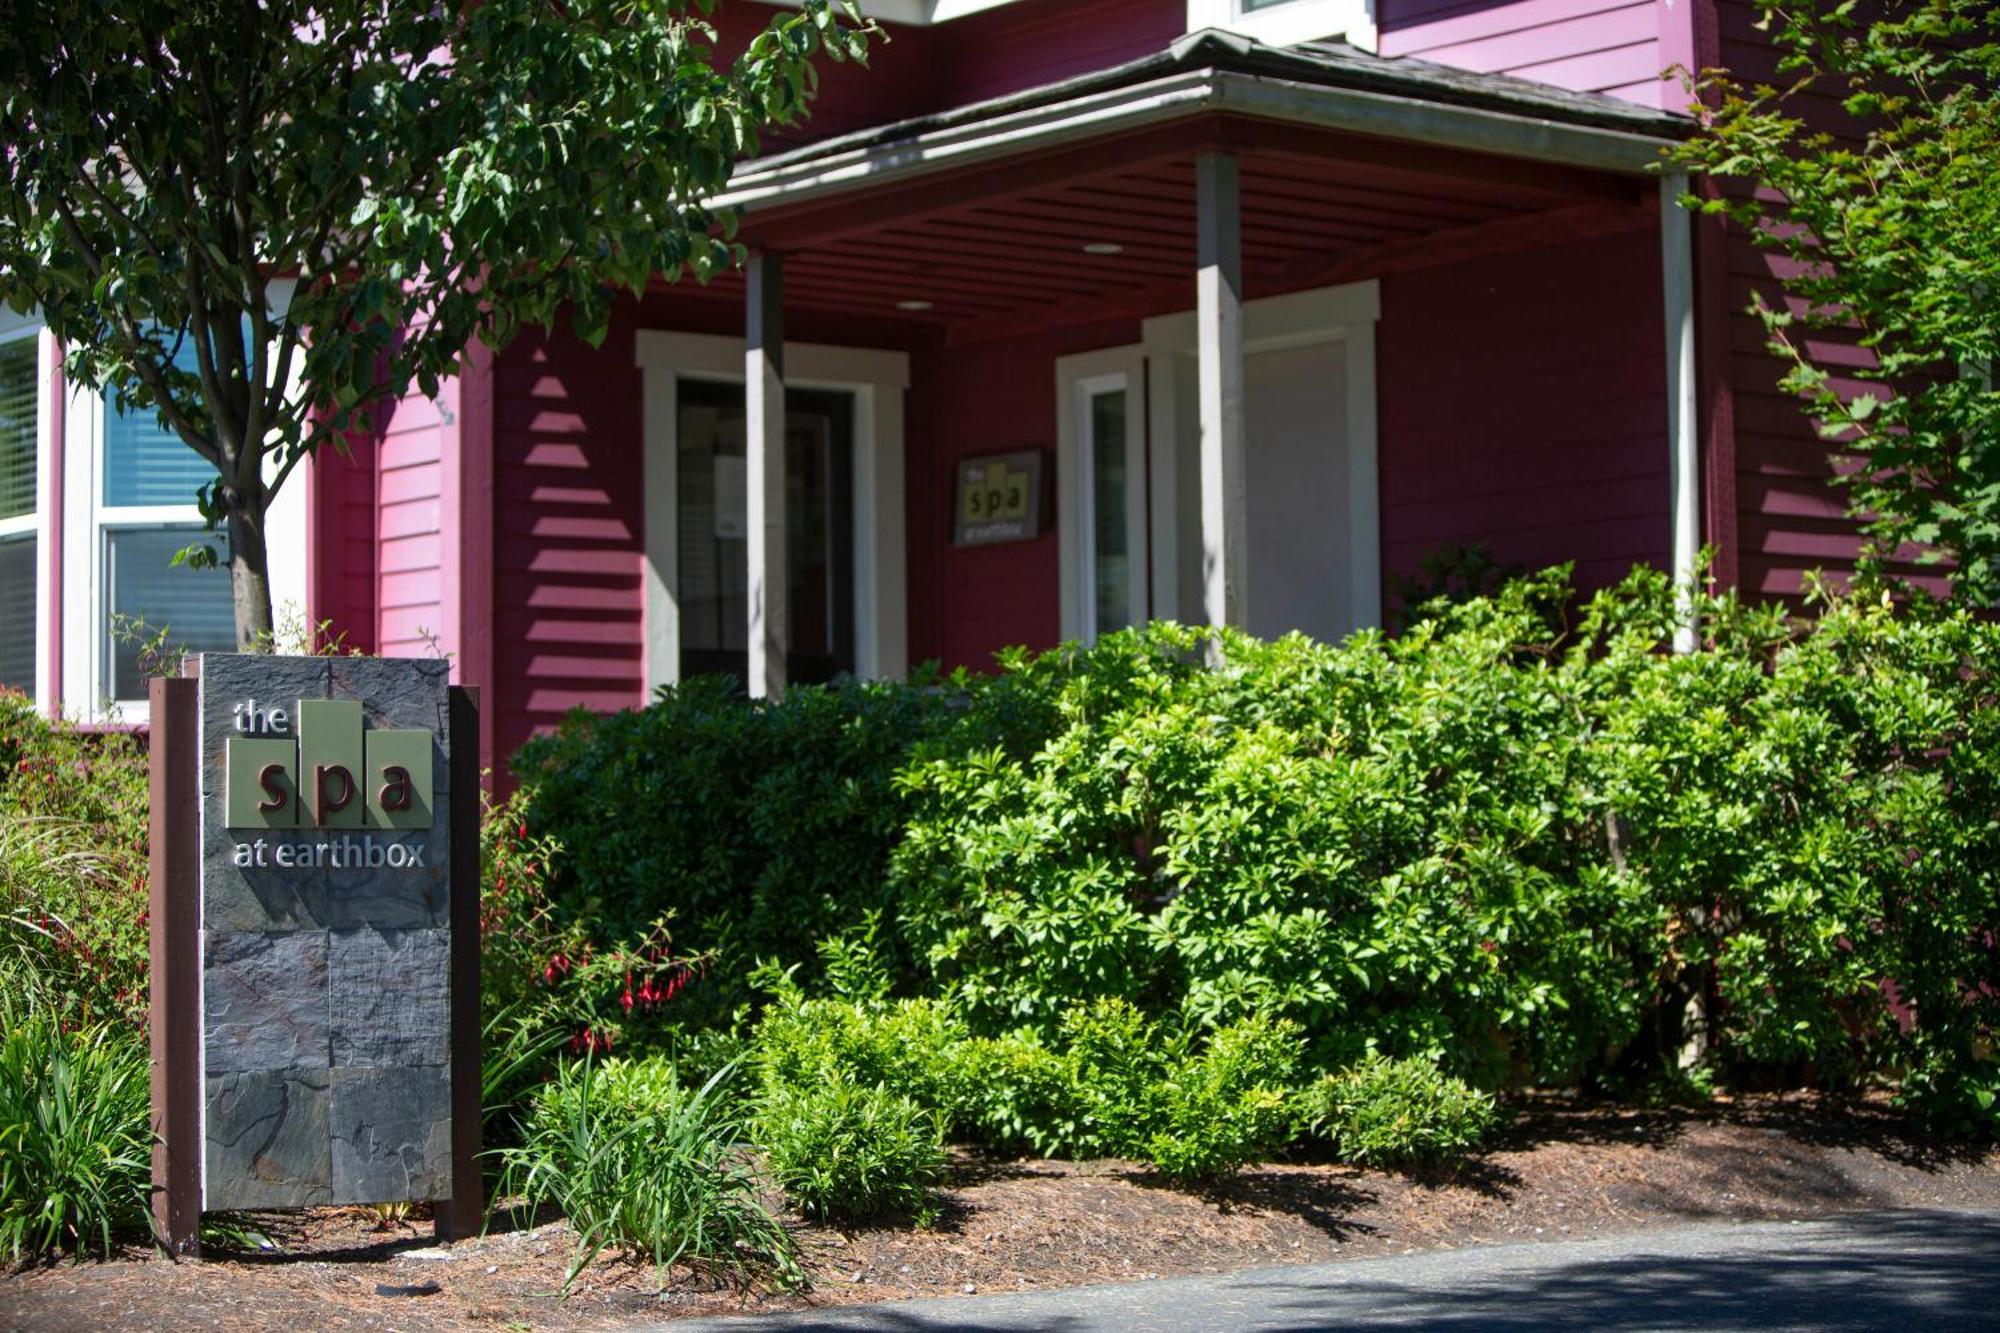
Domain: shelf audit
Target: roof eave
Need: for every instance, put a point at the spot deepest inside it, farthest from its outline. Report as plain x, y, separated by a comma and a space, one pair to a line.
829, 170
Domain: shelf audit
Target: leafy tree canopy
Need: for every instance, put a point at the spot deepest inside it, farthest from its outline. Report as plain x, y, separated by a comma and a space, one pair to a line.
1886, 202
258, 217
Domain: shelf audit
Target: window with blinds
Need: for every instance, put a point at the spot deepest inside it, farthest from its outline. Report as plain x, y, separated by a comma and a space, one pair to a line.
18, 440
17, 613
148, 597
17, 429
144, 463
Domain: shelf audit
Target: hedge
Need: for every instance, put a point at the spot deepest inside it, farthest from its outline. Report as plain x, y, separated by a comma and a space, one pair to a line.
1523, 838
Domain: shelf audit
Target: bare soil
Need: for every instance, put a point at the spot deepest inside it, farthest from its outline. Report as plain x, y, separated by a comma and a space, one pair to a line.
1562, 1171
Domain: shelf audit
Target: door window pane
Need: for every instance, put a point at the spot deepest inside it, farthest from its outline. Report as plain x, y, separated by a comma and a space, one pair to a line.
1111, 543
714, 550
17, 428
17, 613
146, 594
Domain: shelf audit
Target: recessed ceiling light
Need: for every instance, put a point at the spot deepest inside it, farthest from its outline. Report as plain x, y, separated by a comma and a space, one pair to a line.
913, 305
1104, 248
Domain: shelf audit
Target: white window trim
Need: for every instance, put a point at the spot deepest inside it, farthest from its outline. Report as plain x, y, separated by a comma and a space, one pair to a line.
1287, 24
40, 520
1079, 379
921, 13
877, 379
1347, 314
87, 521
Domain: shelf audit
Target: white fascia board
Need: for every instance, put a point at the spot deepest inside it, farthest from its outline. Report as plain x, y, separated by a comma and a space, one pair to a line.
919, 13
1378, 115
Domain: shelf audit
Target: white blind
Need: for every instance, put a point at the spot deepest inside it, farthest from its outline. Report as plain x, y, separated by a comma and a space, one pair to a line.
194, 606
144, 463
17, 613
17, 428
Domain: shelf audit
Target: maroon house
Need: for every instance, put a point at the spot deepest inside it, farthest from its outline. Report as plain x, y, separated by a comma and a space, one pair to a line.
1063, 315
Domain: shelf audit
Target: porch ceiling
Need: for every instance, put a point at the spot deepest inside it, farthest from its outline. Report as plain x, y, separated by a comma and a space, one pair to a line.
1002, 251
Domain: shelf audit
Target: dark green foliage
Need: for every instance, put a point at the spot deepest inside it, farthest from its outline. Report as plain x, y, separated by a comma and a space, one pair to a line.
1401, 1113
848, 1151
763, 828
1866, 166
1523, 841
1226, 1107
635, 1158
165, 161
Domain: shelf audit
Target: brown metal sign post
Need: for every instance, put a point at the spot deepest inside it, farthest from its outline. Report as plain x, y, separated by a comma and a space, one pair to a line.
314, 905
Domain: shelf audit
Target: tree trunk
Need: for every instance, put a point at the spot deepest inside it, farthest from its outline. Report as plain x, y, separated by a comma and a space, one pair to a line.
250, 576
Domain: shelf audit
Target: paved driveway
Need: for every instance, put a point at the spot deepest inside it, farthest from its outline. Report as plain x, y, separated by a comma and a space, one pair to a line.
1896, 1271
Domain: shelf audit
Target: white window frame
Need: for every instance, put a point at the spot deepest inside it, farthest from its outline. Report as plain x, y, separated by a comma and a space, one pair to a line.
1345, 314
1080, 380
39, 520
877, 379
1292, 22
88, 523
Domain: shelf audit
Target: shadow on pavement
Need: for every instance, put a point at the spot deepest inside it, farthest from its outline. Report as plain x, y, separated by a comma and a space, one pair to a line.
1909, 1271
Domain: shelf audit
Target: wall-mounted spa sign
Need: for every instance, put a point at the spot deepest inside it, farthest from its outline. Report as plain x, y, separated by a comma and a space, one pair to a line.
329, 882
999, 499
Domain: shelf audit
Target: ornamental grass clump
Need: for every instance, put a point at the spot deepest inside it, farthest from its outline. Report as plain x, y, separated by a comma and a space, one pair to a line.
75, 1139
634, 1159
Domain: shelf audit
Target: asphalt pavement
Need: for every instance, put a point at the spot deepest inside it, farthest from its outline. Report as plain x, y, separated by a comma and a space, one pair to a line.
1907, 1270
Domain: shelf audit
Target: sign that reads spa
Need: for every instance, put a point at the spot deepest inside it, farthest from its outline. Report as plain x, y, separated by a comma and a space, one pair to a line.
325, 935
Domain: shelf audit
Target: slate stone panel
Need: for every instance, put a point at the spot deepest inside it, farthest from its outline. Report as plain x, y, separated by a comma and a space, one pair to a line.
391, 1134
391, 1000
266, 1003
268, 1141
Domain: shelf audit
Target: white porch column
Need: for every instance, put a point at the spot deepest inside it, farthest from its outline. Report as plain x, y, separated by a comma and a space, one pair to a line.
1683, 405
764, 444
1219, 363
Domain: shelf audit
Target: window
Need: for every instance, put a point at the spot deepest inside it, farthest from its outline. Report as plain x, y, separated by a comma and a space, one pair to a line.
19, 374
1289, 22
1101, 492
1110, 482
146, 513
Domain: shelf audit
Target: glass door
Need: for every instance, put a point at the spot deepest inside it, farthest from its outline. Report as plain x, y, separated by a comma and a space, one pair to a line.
819, 530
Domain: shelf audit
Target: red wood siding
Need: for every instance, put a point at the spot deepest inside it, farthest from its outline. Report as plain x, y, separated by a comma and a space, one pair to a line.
343, 554
917, 70
1600, 46
967, 603
410, 528
569, 536
1522, 406
1789, 518
1034, 42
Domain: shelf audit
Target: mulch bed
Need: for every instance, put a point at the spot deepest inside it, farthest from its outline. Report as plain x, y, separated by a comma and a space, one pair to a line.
1563, 1171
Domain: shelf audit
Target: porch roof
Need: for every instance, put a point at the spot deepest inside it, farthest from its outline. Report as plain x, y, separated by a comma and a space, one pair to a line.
1329, 84
1075, 202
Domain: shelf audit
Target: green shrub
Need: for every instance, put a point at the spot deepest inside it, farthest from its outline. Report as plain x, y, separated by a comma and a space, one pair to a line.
1401, 1113
1523, 840
761, 827
1229, 1106
847, 1151
75, 1136
914, 1046
633, 1158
